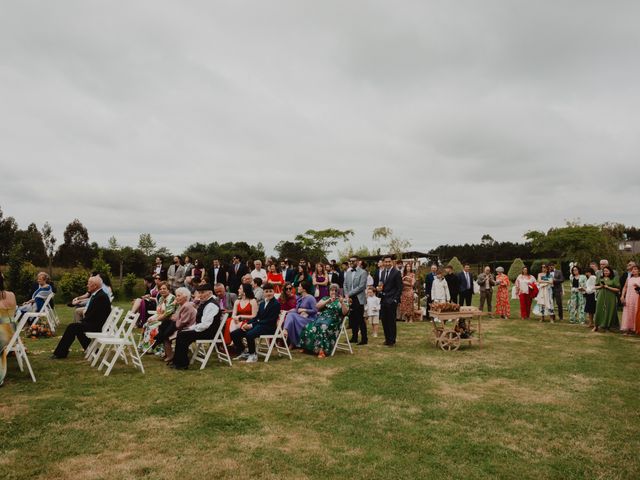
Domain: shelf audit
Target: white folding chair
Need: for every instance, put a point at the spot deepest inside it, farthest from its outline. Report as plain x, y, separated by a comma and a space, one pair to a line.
45, 312
344, 345
121, 346
15, 345
204, 348
266, 343
109, 329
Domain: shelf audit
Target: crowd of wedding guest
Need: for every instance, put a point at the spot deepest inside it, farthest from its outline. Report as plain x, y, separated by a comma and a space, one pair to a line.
185, 302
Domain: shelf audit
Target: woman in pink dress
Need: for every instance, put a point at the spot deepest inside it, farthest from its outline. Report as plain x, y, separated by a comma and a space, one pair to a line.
630, 301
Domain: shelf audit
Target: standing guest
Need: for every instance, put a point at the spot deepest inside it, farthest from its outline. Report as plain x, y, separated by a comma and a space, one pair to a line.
176, 274
344, 266
544, 299
320, 282
258, 292
355, 283
390, 289
235, 274
264, 323
406, 299
607, 300
503, 306
7, 311
486, 281
98, 310
332, 275
630, 301
465, 291
166, 307
590, 295
226, 300
440, 288
627, 273
188, 266
288, 300
184, 317
556, 288
577, 298
304, 313
452, 282
275, 278
525, 288
197, 273
301, 276
320, 335
244, 309
258, 271
372, 310
288, 272
204, 328
40, 295
428, 284
376, 273
364, 266
159, 269
218, 274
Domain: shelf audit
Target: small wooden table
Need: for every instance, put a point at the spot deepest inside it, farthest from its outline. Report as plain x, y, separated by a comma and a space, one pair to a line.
448, 337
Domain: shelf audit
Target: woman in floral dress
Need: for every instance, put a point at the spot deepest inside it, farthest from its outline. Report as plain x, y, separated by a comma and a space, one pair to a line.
406, 299
166, 307
321, 335
630, 301
544, 300
577, 300
503, 306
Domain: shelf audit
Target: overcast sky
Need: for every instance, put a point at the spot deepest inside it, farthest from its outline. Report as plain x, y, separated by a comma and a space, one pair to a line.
257, 120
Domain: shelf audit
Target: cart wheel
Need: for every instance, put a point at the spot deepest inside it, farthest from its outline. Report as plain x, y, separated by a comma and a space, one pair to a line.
449, 341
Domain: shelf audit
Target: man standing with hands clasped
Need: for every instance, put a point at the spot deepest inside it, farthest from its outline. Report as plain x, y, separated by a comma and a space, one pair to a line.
390, 288
355, 284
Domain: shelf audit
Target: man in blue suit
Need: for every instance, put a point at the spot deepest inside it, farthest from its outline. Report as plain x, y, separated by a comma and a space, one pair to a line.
466, 279
264, 323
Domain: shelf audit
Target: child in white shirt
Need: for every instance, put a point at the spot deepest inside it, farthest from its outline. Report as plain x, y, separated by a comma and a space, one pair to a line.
372, 310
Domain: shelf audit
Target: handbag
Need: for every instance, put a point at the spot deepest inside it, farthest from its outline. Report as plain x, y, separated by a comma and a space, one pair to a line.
533, 290
514, 295
317, 292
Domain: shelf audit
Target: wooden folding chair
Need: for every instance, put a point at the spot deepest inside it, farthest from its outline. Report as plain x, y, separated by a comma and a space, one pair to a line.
121, 346
109, 329
204, 348
266, 343
15, 345
344, 345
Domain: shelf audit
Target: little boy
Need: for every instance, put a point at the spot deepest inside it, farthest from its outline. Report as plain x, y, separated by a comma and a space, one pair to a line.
372, 310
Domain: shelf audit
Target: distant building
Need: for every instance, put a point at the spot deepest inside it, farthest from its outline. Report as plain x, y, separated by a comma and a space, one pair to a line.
630, 246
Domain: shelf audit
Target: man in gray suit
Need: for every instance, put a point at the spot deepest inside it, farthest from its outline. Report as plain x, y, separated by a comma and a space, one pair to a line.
355, 284
225, 299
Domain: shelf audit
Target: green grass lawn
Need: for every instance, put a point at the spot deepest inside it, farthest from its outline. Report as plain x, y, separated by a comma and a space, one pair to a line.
538, 401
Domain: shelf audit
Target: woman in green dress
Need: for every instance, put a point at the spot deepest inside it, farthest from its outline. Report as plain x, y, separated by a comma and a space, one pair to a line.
577, 300
320, 335
607, 301
7, 311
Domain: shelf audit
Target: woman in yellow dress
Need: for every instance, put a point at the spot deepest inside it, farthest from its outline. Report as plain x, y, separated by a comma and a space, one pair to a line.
7, 311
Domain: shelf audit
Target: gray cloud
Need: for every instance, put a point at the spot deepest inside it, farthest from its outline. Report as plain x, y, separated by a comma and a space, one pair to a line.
255, 121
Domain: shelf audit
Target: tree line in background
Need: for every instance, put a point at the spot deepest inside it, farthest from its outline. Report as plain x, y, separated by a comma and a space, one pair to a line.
23, 250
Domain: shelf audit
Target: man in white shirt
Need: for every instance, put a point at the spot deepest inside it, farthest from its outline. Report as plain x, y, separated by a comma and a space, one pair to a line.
259, 272
205, 328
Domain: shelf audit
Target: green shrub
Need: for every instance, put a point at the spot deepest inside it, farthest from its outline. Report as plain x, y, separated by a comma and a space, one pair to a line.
103, 268
456, 264
129, 284
73, 283
515, 269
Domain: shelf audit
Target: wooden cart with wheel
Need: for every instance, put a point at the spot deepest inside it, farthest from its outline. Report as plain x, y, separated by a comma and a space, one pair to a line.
450, 329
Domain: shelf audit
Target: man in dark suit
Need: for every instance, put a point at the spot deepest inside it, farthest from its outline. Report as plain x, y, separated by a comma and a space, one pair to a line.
217, 274
465, 284
264, 323
556, 288
390, 289
452, 282
236, 271
207, 323
288, 272
98, 310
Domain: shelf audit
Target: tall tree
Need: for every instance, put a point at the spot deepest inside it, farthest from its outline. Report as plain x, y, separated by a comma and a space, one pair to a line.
49, 244
395, 245
76, 248
146, 244
32, 244
318, 243
117, 251
8, 229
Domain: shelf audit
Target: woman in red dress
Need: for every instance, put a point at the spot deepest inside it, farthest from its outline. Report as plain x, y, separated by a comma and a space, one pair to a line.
275, 278
244, 309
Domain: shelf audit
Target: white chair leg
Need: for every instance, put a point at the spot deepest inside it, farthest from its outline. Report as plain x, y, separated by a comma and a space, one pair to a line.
207, 356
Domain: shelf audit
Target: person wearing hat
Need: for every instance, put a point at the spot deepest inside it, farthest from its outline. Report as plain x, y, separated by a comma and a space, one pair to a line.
205, 328
503, 307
